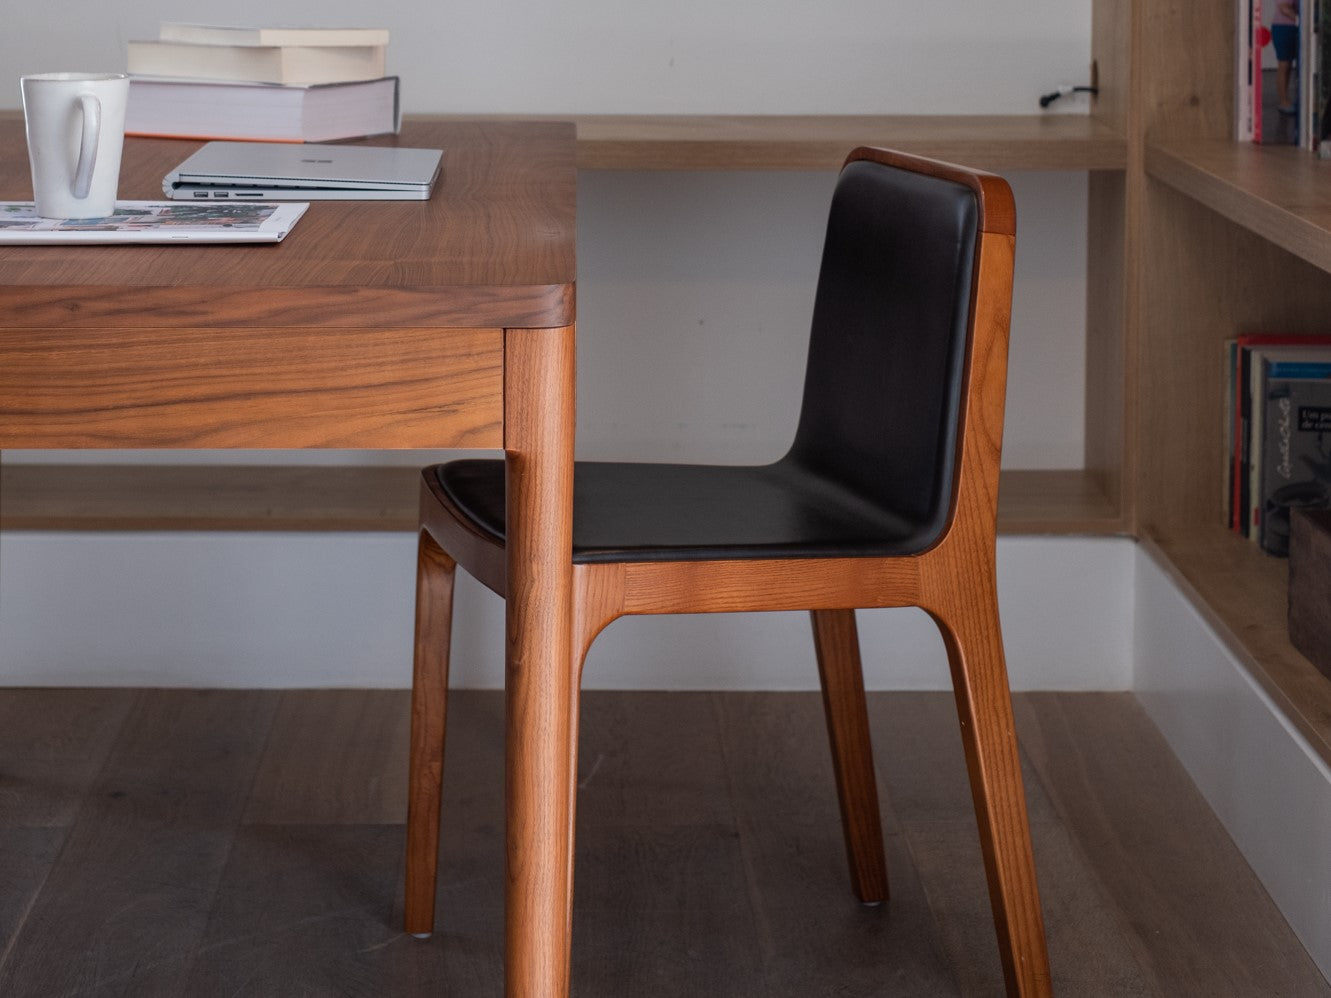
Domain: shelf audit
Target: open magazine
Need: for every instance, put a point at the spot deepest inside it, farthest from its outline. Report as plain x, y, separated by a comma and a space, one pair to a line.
153, 222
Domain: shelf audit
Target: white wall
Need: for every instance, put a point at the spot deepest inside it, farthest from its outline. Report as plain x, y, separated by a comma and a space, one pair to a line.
686, 56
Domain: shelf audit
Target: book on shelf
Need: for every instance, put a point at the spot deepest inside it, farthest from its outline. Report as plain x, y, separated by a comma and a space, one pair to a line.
1228, 429
211, 109
1280, 48
1238, 388
1247, 107
1319, 128
222, 34
1295, 469
298, 64
1262, 373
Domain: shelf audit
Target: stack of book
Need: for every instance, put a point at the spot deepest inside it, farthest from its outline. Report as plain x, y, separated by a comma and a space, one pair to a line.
1277, 433
262, 84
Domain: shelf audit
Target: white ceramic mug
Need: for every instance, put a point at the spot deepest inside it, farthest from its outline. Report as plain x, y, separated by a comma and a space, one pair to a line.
76, 131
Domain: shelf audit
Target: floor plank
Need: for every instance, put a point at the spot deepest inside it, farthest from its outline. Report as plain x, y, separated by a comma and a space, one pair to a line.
316, 910
334, 759
52, 744
207, 843
129, 895
780, 773
1206, 926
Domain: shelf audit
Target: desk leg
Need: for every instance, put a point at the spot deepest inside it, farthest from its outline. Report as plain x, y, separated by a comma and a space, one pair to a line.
538, 444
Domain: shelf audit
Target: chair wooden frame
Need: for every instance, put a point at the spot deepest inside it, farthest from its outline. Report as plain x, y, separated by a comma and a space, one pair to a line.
954, 581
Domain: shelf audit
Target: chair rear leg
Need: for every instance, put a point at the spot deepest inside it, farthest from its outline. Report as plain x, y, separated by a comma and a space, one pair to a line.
988, 731
836, 643
435, 572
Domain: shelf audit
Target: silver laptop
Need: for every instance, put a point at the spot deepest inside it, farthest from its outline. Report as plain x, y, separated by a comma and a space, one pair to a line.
280, 171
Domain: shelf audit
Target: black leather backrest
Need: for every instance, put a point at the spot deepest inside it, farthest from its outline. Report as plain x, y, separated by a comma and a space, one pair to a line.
884, 383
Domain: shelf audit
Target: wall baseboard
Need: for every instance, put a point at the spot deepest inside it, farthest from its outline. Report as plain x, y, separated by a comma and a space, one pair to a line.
1269, 788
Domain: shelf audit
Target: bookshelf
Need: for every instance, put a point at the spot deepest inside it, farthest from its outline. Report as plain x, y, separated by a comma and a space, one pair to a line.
1222, 238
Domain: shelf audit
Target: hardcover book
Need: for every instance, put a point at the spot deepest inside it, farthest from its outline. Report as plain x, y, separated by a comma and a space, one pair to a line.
1243, 385
219, 34
1296, 462
258, 112
1244, 72
298, 64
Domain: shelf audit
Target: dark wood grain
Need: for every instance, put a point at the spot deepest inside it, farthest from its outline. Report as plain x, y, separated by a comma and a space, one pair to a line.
252, 386
783, 786
709, 853
26, 858
333, 759
494, 246
311, 910
52, 745
663, 766
128, 901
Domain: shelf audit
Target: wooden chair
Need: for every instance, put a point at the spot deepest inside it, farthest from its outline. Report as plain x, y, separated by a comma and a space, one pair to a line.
887, 497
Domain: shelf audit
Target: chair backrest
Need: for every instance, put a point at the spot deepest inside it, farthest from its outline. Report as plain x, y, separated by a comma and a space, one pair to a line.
887, 377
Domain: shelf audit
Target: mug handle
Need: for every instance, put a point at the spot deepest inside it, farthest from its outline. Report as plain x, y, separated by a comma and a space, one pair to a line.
92, 130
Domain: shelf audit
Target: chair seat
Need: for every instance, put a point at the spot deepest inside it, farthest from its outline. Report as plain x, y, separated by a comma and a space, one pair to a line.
687, 512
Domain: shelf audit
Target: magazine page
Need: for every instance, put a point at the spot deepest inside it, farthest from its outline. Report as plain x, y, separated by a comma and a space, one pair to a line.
154, 222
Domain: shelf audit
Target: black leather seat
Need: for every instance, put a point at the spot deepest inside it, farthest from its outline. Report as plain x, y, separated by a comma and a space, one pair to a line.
887, 497
871, 467
658, 512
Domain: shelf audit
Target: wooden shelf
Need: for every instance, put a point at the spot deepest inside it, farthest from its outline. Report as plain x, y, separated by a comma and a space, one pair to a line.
821, 142
1057, 502
210, 497
206, 497
1282, 194
1243, 593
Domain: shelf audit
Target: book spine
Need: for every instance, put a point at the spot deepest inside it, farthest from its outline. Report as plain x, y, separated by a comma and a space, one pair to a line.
1296, 468
1243, 71
1259, 32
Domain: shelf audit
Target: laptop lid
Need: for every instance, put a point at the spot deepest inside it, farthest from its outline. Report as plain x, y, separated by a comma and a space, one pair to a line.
308, 170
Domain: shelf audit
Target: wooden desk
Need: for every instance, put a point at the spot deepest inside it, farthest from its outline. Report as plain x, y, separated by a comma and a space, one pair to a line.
447, 323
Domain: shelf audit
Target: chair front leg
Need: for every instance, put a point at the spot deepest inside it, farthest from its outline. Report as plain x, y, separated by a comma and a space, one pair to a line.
435, 572
836, 643
988, 732
539, 680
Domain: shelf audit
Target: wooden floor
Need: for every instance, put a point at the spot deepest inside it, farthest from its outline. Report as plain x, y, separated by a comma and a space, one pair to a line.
183, 843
